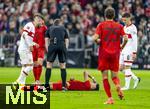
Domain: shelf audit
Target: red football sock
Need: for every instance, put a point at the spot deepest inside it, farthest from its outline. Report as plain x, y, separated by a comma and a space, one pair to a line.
35, 72
107, 87
116, 81
39, 71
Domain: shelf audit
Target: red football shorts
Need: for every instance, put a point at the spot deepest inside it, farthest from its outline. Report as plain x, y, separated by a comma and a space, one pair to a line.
38, 53
107, 61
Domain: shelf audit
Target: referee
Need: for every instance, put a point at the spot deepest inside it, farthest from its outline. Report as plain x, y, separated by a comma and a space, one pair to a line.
57, 41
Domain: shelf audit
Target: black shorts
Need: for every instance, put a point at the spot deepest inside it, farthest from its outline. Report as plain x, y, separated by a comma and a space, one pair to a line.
54, 50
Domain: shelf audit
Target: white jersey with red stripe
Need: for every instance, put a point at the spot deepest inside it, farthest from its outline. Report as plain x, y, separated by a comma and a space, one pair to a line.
131, 46
27, 37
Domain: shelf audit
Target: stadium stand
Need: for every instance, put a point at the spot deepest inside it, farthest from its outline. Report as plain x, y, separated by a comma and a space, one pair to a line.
80, 18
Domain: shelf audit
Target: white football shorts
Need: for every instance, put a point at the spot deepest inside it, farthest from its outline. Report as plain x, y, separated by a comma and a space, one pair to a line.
126, 59
26, 57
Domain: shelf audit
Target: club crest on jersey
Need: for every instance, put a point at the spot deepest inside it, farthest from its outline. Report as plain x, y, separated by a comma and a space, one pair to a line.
28, 27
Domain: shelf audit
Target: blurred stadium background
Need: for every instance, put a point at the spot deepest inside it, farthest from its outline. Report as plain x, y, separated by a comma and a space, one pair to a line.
80, 18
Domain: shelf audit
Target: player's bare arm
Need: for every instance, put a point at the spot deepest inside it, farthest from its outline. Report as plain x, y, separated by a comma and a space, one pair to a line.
92, 77
47, 43
125, 41
29, 40
67, 42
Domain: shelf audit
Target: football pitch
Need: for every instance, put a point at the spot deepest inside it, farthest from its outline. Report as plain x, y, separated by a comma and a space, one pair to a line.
134, 99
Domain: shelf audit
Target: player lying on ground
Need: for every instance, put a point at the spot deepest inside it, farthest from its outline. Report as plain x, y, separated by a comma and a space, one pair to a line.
74, 84
38, 53
108, 34
128, 54
25, 49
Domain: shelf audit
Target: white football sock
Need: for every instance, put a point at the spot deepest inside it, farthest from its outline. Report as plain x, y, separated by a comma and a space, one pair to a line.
136, 80
21, 79
127, 82
127, 78
133, 76
24, 73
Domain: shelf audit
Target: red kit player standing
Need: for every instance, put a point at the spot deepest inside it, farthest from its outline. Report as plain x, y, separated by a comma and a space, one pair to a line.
38, 53
108, 34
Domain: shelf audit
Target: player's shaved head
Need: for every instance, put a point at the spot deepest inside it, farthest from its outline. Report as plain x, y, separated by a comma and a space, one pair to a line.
109, 13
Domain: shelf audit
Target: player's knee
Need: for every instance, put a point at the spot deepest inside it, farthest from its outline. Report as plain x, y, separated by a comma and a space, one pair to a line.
35, 63
28, 69
113, 74
105, 76
62, 65
121, 67
40, 62
49, 65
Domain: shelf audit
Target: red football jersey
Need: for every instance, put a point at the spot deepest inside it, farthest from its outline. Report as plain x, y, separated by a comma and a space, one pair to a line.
39, 36
110, 33
73, 85
79, 85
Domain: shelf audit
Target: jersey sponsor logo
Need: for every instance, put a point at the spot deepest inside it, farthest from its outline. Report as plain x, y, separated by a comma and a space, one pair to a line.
28, 27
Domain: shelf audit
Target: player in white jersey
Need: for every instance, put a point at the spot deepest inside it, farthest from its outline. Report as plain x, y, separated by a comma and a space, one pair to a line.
128, 54
25, 49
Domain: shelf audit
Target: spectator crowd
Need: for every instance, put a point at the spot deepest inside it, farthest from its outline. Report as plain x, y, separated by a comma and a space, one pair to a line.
79, 17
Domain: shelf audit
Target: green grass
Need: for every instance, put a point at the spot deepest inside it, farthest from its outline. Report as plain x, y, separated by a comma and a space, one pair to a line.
134, 99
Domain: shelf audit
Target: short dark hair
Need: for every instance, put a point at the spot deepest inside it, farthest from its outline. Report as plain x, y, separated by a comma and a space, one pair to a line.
57, 21
109, 13
38, 15
97, 87
126, 15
